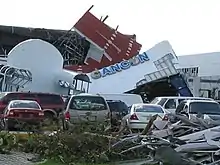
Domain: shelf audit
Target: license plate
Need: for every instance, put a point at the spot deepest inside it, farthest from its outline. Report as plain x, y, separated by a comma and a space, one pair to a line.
92, 118
89, 118
26, 115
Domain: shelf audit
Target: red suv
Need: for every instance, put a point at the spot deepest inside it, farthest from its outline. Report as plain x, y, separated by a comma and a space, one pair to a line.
52, 104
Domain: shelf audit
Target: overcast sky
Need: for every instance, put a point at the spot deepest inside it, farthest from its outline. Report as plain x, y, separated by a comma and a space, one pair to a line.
191, 26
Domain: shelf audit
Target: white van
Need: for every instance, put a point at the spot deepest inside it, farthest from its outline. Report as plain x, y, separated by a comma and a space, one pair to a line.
170, 103
128, 99
87, 107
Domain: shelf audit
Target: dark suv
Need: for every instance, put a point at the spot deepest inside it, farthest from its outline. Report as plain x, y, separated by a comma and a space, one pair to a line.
118, 110
52, 104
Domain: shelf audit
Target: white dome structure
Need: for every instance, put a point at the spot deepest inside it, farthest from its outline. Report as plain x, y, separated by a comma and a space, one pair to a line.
44, 62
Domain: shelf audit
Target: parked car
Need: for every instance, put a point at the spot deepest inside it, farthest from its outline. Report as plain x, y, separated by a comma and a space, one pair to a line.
87, 108
170, 103
128, 98
199, 108
118, 110
140, 114
52, 104
25, 111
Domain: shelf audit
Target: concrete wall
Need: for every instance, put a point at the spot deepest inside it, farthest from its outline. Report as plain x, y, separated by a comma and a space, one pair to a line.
209, 63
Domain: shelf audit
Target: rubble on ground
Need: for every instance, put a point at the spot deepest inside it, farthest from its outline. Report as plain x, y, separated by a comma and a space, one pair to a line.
185, 142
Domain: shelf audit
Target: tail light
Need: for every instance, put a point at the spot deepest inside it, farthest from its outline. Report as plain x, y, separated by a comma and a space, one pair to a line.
11, 113
165, 117
67, 115
41, 114
134, 117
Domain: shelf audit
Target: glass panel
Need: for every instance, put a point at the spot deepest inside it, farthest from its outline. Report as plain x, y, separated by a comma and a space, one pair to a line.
148, 108
88, 103
24, 104
171, 104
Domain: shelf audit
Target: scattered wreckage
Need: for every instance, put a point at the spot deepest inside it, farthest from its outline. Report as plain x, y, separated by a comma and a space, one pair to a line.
185, 142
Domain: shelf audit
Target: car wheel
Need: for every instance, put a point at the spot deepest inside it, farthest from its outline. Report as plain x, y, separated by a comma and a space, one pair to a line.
49, 118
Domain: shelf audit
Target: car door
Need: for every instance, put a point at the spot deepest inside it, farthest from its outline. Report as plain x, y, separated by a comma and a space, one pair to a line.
170, 105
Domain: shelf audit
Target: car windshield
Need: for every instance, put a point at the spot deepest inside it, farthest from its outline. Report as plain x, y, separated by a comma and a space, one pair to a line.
204, 108
158, 101
24, 104
148, 108
88, 103
155, 100
117, 106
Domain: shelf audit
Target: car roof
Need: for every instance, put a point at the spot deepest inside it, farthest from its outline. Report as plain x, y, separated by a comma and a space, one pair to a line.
23, 101
31, 93
154, 105
114, 101
183, 97
200, 101
87, 94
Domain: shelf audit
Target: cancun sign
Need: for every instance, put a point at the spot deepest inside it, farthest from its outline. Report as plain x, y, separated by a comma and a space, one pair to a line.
118, 67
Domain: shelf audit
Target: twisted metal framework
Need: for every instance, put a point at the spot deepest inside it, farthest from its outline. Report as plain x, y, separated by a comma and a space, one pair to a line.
165, 67
11, 78
73, 47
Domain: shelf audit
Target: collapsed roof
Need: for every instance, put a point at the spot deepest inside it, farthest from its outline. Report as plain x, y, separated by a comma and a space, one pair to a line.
11, 36
89, 48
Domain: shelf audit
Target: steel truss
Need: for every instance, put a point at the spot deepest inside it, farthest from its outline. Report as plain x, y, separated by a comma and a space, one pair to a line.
73, 48
11, 78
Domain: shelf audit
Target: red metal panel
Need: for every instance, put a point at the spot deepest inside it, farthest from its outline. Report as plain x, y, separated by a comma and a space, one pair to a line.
117, 45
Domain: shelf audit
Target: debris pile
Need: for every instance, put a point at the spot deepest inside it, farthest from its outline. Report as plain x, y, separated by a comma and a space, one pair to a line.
186, 142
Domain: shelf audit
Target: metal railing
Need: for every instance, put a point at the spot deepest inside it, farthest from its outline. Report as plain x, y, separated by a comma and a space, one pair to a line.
11, 78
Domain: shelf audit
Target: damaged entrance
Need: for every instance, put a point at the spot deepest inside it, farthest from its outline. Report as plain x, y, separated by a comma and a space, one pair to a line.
166, 81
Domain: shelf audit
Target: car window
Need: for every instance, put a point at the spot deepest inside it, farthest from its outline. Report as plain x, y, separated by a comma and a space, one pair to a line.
117, 106
180, 107
88, 103
50, 99
148, 108
22, 104
158, 101
186, 107
204, 108
180, 100
129, 109
155, 100
171, 104
162, 101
